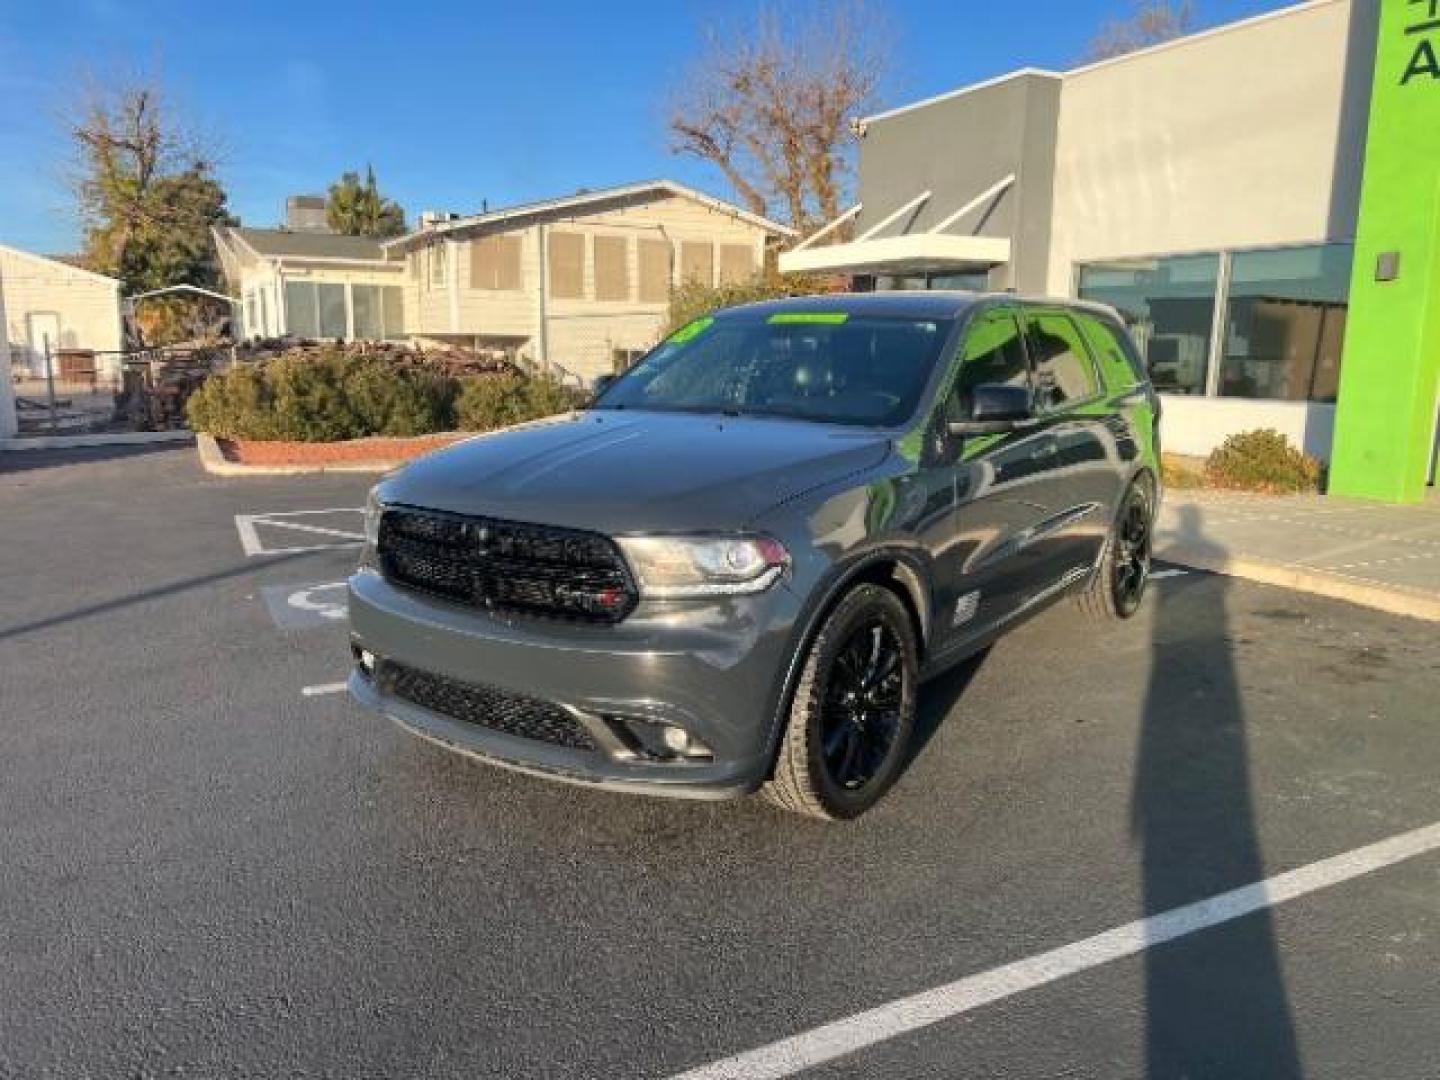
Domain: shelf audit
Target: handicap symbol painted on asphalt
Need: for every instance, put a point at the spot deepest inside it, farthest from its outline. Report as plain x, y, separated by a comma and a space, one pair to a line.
301, 607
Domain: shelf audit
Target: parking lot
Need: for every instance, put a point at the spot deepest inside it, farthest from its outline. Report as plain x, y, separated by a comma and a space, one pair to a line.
213, 865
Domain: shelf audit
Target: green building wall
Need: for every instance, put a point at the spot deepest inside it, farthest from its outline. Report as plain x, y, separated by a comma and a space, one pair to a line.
1390, 378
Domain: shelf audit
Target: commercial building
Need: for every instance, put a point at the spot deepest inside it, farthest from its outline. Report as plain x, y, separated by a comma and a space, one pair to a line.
1260, 201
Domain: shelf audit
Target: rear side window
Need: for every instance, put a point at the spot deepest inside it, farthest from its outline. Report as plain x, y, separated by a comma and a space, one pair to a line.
1064, 372
993, 352
1118, 357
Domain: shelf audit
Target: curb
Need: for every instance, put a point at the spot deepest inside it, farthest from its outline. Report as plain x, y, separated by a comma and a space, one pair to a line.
76, 442
214, 462
1394, 600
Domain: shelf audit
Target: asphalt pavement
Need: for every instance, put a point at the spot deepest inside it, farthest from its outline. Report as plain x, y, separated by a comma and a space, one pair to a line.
206, 871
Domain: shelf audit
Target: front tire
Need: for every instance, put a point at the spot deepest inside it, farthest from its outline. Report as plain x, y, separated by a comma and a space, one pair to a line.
1117, 588
853, 711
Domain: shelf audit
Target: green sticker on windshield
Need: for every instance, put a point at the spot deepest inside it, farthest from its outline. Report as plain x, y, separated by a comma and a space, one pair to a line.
691, 330
823, 318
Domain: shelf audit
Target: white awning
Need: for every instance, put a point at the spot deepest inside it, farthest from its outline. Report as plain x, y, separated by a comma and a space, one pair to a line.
909, 254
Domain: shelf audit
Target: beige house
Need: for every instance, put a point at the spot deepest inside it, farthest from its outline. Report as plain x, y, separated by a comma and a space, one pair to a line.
46, 300
581, 282
310, 283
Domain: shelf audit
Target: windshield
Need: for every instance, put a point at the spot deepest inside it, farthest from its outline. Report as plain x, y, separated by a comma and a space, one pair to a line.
823, 366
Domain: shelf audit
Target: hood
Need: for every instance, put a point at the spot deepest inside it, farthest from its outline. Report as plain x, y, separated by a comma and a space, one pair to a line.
614, 472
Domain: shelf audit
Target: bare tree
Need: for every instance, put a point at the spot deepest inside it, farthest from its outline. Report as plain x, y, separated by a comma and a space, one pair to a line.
1149, 23
144, 186
770, 106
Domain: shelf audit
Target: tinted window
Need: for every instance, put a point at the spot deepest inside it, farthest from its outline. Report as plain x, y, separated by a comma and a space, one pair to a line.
1064, 373
992, 353
825, 366
1119, 361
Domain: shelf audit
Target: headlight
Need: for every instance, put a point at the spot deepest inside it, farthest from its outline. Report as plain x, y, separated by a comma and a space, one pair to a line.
685, 567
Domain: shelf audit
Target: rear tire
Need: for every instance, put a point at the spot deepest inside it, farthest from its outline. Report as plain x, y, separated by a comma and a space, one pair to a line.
1117, 587
853, 711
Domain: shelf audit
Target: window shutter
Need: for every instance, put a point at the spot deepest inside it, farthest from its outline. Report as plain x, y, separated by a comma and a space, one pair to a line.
737, 263
495, 263
697, 261
654, 271
567, 265
612, 276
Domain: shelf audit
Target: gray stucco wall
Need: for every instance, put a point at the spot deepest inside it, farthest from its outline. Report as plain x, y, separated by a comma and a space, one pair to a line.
957, 147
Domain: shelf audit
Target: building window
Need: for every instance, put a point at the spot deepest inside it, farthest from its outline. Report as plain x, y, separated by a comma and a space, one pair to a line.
392, 306
1169, 306
697, 262
964, 281
495, 263
330, 298
302, 312
439, 264
1285, 323
365, 309
654, 259
612, 271
737, 264
567, 265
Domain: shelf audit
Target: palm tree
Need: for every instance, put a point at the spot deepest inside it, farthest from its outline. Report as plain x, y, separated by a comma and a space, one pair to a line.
356, 209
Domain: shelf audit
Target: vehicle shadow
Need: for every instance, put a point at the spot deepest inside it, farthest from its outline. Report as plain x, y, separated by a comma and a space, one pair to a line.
937, 699
1216, 1002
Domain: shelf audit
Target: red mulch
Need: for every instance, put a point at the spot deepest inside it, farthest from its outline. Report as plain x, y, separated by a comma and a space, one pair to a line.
351, 452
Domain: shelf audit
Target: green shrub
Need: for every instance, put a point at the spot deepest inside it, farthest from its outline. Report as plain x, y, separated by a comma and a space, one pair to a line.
497, 401
1262, 461
410, 401
326, 398
693, 300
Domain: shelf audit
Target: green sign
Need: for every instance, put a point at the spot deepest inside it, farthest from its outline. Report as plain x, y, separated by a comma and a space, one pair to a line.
1385, 420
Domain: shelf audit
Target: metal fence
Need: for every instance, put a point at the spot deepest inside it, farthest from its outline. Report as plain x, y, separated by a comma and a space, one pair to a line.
83, 391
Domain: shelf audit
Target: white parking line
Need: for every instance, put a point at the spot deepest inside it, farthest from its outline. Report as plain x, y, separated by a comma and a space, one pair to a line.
322, 689
808, 1049
247, 525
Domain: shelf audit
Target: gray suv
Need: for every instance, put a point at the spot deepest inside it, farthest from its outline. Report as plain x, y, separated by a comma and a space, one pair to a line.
734, 570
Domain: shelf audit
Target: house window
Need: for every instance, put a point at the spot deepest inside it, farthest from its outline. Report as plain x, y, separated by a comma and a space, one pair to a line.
654, 259
1285, 323
392, 306
439, 264
495, 263
330, 299
612, 272
567, 265
302, 312
365, 307
737, 263
1169, 306
697, 262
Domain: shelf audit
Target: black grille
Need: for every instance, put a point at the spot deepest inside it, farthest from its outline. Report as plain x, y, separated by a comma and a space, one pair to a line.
505, 565
485, 706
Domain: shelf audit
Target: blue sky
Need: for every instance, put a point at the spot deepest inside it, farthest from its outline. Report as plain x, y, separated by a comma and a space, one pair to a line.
453, 101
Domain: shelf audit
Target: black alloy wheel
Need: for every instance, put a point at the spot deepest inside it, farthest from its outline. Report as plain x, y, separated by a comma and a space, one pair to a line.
860, 713
852, 713
1130, 568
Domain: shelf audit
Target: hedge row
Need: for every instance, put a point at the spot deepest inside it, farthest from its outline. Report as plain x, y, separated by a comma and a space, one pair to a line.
341, 395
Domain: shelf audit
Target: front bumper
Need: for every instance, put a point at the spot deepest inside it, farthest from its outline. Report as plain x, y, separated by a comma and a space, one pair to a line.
715, 669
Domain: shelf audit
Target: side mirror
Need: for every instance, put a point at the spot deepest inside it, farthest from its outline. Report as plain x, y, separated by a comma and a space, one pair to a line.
995, 409
601, 383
